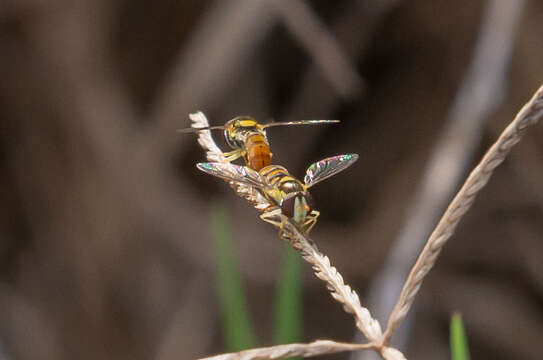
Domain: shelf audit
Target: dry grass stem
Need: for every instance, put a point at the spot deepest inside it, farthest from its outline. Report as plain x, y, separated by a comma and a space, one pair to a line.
528, 115
334, 282
319, 347
213, 153
304, 24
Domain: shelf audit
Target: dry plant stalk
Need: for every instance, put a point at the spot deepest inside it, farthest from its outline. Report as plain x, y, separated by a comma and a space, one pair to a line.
529, 115
319, 347
341, 292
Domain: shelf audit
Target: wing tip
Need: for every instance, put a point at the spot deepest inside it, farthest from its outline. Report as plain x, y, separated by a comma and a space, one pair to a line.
203, 166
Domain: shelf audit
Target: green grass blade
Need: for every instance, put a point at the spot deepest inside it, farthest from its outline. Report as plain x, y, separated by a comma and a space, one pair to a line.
288, 300
459, 342
237, 330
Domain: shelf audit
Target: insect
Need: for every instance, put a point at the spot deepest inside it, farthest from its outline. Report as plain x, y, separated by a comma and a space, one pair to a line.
286, 194
248, 139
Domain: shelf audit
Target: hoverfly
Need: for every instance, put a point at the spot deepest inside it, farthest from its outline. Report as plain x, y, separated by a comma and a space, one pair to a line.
286, 194
248, 139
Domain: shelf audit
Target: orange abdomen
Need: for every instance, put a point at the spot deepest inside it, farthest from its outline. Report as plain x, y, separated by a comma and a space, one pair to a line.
258, 152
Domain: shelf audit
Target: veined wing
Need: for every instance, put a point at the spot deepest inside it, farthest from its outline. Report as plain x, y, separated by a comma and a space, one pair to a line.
231, 172
300, 122
325, 168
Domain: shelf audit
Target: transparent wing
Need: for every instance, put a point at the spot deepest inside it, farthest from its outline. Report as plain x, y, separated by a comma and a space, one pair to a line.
300, 122
325, 168
231, 172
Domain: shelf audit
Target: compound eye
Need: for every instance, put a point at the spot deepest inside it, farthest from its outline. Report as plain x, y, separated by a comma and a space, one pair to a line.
287, 206
310, 202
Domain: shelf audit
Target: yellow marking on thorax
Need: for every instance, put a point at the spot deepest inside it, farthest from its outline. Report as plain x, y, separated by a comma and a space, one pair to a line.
247, 123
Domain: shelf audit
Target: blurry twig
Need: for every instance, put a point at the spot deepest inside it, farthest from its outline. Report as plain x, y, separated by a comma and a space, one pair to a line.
23, 321
305, 25
179, 338
94, 97
213, 57
479, 94
528, 116
358, 17
17, 8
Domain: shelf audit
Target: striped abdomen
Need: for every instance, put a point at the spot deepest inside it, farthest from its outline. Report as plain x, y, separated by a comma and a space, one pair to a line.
258, 151
279, 178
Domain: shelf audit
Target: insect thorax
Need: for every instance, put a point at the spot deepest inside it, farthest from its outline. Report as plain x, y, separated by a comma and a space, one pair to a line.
237, 129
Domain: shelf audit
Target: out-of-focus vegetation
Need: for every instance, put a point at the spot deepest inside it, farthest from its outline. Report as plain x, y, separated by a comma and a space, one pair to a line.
288, 301
237, 330
458, 339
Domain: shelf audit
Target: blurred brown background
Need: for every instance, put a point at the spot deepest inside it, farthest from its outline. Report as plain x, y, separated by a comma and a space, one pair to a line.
105, 248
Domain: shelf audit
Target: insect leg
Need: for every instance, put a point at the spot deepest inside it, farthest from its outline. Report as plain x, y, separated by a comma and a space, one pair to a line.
232, 155
271, 217
311, 221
